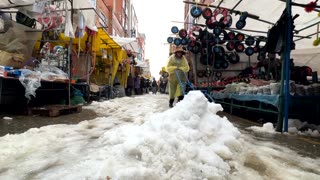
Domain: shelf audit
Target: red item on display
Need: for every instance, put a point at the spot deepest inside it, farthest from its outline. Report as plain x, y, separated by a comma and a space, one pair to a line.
311, 6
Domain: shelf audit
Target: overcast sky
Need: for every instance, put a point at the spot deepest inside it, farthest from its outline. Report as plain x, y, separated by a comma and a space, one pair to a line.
155, 20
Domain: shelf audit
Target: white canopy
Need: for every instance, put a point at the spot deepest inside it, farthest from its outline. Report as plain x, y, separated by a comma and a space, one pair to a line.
127, 43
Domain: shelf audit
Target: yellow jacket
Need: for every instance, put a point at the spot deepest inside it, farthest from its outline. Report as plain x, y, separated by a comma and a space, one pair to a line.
172, 65
175, 63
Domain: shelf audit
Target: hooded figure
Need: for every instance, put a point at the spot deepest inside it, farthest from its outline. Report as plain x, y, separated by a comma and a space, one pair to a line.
176, 61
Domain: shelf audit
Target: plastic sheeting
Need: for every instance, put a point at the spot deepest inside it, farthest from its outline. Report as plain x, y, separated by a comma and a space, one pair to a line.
127, 43
17, 40
268, 99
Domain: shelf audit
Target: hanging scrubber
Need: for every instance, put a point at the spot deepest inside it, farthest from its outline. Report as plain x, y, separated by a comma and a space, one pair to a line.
316, 42
311, 6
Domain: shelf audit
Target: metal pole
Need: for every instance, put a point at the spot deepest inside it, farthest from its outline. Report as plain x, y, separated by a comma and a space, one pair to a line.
70, 60
287, 51
285, 73
281, 98
110, 74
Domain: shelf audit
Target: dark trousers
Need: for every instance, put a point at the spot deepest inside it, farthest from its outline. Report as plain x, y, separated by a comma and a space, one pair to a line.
129, 90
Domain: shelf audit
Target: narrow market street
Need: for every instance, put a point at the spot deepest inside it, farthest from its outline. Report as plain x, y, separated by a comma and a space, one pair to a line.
88, 141
159, 90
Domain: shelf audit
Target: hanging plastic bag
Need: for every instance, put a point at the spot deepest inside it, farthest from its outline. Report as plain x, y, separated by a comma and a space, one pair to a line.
68, 31
31, 82
80, 28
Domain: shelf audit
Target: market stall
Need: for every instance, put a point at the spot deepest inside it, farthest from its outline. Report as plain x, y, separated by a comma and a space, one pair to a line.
241, 54
51, 49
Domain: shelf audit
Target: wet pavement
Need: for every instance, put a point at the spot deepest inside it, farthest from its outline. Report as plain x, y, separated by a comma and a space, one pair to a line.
306, 146
21, 123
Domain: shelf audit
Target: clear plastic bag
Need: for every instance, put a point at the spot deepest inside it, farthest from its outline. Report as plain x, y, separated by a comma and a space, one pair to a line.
52, 73
31, 81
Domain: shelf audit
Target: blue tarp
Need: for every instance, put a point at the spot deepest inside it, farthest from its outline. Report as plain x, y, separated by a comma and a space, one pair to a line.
268, 99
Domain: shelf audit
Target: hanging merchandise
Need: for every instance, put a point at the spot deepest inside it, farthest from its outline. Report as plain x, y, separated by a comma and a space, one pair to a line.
234, 58
80, 29
184, 41
192, 43
249, 41
311, 6
174, 29
177, 41
239, 37
189, 48
242, 20
249, 51
216, 39
183, 33
218, 74
196, 11
225, 37
217, 30
207, 13
229, 21
25, 20
239, 47
195, 33
170, 40
216, 49
231, 35
221, 15
230, 46
217, 64
211, 40
210, 23
317, 41
196, 48
224, 64
68, 30
208, 72
51, 18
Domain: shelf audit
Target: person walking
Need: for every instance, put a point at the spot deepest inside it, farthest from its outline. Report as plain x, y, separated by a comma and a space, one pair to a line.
154, 86
130, 84
136, 85
176, 62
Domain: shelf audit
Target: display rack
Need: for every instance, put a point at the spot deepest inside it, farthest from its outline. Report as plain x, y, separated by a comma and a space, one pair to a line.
285, 103
67, 67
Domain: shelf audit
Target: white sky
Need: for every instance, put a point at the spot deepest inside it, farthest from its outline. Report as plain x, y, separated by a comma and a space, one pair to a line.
155, 20
139, 138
